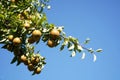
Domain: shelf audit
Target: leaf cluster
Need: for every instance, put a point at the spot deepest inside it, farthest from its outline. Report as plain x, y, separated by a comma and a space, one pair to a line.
23, 23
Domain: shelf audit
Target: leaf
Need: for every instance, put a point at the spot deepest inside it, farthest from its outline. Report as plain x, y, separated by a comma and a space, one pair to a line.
87, 41
46, 0
79, 48
62, 47
71, 47
69, 44
90, 50
65, 42
45, 38
73, 54
18, 63
14, 30
1, 16
60, 28
2, 41
45, 30
94, 57
48, 7
99, 50
44, 62
41, 10
14, 60
38, 41
83, 55
5, 46
33, 73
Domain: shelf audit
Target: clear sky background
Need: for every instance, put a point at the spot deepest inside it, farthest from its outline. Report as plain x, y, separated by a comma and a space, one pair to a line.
96, 19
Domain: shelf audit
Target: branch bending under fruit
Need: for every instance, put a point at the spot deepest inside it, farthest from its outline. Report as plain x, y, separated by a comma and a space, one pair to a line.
74, 46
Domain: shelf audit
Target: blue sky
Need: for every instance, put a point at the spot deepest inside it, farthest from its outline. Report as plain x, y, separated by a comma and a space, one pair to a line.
97, 19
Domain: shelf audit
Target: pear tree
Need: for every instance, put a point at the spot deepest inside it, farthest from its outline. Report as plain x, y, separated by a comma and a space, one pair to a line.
23, 24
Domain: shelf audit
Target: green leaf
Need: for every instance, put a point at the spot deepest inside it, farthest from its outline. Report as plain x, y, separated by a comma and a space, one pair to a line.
90, 50
48, 7
44, 62
14, 60
46, 0
8, 46
73, 54
79, 48
94, 57
14, 30
1, 16
87, 41
33, 73
65, 42
99, 50
18, 63
69, 44
83, 55
71, 47
2, 41
5, 46
41, 10
45, 38
38, 41
62, 47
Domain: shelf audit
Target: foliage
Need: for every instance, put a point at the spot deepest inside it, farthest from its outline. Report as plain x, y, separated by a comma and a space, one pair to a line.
23, 23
